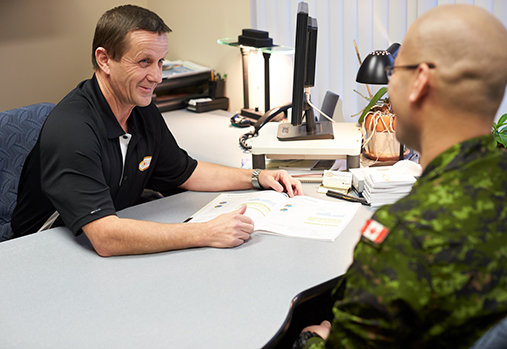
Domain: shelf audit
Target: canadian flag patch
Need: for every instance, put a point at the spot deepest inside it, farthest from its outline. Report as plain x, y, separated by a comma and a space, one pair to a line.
374, 231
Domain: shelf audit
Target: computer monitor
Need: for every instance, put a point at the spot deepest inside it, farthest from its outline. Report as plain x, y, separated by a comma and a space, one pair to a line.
303, 124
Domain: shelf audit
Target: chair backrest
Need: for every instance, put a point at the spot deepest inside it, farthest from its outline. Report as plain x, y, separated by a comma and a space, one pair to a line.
19, 130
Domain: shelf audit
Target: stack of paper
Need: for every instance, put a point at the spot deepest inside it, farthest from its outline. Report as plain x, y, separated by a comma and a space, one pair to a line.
386, 188
177, 69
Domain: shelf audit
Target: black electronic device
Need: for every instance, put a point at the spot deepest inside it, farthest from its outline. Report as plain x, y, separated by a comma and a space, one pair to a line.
255, 38
270, 115
304, 76
328, 106
241, 122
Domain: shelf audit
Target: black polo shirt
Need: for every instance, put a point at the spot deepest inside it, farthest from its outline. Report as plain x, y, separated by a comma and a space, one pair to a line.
76, 166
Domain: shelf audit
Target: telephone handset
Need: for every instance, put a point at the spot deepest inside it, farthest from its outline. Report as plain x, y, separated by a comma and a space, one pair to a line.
267, 117
270, 115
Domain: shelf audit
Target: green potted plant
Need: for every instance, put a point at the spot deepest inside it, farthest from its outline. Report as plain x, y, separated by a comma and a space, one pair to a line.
379, 127
500, 130
380, 93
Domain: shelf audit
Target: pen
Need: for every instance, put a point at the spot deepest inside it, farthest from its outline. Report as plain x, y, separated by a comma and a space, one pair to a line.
338, 195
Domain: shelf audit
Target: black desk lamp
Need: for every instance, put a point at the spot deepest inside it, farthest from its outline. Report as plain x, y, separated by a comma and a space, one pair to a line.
372, 70
256, 39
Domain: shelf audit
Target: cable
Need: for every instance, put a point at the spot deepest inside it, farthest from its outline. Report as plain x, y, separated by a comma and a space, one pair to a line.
245, 137
317, 109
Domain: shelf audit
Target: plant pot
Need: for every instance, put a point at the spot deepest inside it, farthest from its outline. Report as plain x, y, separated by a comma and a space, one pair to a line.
380, 135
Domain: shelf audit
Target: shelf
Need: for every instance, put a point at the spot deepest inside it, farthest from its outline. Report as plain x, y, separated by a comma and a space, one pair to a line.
174, 93
276, 49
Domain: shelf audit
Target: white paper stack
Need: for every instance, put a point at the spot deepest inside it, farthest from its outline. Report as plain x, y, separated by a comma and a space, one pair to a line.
386, 188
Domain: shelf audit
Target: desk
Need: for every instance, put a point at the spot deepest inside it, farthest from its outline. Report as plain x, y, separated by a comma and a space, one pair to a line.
56, 292
208, 136
346, 144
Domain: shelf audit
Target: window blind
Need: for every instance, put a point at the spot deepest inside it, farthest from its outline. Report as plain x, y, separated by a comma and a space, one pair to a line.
373, 24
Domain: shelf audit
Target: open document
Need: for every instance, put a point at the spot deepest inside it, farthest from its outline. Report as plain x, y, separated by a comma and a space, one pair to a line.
276, 213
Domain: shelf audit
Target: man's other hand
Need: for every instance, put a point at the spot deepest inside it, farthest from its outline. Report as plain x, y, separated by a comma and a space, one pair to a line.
280, 181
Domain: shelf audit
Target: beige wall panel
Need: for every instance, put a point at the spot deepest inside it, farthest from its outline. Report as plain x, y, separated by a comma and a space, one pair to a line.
45, 47
196, 25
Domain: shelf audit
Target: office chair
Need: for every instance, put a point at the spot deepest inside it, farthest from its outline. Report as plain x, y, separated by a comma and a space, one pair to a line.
308, 308
494, 338
19, 130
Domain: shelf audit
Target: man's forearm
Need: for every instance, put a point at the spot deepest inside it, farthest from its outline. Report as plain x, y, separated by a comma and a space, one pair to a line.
213, 177
112, 236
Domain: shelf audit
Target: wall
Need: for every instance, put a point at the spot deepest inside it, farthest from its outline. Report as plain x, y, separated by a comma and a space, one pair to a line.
196, 25
45, 46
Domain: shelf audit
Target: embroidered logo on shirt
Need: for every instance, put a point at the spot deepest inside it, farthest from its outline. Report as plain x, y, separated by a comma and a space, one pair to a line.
143, 165
374, 231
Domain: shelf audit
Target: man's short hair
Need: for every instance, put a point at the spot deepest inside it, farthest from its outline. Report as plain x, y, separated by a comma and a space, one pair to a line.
114, 25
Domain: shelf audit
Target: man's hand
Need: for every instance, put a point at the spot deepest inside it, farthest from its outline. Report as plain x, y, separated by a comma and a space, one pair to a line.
112, 236
280, 181
322, 330
229, 229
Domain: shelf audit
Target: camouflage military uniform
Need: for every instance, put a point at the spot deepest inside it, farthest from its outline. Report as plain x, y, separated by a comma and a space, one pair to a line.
439, 279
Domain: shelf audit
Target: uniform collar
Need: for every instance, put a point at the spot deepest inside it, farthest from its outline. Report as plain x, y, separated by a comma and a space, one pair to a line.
459, 154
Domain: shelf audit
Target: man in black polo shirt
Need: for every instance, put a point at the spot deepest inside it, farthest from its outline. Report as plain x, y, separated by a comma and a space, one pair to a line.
105, 142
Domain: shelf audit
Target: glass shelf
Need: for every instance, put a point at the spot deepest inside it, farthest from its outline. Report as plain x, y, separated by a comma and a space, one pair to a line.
270, 49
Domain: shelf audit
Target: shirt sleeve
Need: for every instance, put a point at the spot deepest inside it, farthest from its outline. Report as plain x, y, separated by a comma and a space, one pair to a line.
382, 293
71, 172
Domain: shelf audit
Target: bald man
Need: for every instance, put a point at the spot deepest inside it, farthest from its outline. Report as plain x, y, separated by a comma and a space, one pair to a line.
431, 269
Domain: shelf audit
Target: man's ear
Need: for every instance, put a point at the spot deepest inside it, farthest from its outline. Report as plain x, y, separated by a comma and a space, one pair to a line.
420, 85
102, 59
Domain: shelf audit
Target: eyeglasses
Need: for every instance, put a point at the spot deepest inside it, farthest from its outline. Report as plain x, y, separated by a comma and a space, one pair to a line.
390, 69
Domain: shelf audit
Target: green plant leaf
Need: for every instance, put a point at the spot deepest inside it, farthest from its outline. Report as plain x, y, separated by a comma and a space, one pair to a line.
501, 138
502, 120
381, 92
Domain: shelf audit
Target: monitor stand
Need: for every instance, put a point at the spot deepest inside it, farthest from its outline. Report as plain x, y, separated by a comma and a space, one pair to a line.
311, 129
346, 144
288, 132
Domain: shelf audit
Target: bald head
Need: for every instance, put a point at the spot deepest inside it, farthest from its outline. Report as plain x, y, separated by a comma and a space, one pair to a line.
468, 45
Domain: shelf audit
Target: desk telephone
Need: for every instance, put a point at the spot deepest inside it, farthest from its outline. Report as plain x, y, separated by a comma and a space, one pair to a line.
239, 121
328, 107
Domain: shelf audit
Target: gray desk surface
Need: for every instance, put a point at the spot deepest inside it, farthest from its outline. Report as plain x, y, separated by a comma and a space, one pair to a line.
56, 292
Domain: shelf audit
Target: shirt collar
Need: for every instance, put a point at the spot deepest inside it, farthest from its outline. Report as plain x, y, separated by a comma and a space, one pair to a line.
113, 128
454, 157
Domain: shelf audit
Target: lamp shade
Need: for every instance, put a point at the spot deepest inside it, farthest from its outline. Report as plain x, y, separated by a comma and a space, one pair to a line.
372, 70
393, 49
